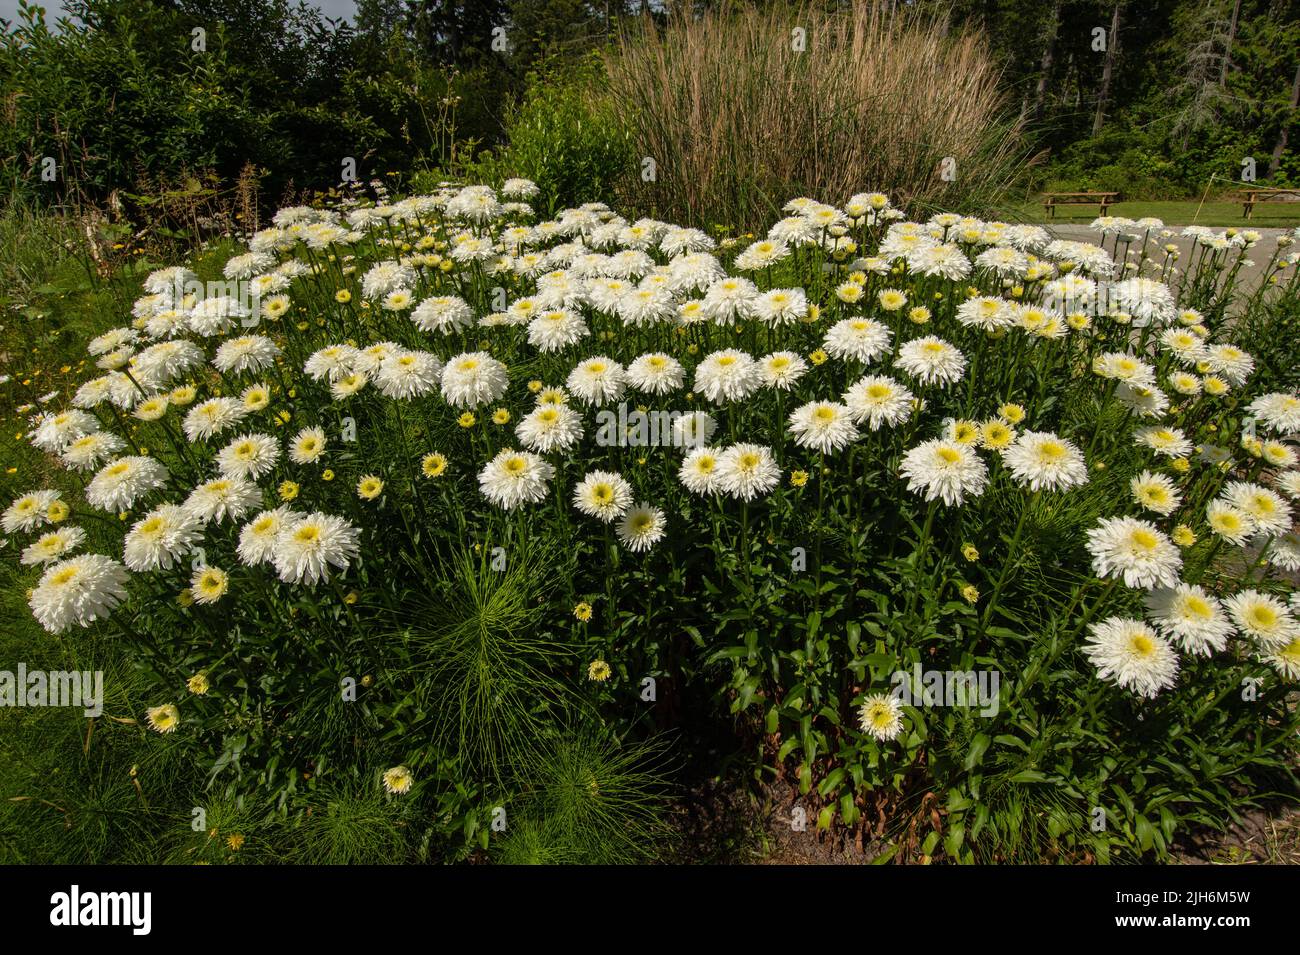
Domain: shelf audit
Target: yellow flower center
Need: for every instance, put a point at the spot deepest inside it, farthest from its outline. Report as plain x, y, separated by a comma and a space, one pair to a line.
1143, 539
1142, 645
64, 576
1262, 616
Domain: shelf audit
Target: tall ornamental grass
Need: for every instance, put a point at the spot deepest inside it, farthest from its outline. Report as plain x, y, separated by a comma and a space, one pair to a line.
740, 109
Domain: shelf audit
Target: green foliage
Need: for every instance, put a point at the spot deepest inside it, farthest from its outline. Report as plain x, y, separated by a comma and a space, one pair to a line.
568, 136
593, 801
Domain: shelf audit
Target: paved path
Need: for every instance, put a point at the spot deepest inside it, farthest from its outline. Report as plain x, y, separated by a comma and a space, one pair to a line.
1260, 254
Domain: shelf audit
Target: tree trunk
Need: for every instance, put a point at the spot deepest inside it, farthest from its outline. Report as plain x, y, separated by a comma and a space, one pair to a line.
1045, 65
1227, 46
1108, 69
1275, 163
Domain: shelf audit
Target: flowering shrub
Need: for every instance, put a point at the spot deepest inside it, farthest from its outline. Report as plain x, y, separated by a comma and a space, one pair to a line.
979, 537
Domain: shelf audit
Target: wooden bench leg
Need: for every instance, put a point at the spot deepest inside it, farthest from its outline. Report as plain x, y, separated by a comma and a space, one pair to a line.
1247, 209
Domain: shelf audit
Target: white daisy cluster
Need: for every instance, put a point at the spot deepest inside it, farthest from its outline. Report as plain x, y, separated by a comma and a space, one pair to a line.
846, 337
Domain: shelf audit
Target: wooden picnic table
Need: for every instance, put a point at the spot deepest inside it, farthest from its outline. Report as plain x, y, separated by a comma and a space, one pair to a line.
1265, 195
1053, 199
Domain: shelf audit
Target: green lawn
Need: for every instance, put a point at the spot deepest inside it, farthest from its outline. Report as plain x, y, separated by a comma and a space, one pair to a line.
1223, 213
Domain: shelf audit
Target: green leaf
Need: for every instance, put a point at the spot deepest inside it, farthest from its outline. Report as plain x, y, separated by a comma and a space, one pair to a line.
976, 752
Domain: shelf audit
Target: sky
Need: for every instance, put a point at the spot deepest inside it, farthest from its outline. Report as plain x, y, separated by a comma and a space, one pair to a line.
331, 8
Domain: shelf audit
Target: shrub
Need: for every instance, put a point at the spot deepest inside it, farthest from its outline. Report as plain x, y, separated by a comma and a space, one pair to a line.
567, 135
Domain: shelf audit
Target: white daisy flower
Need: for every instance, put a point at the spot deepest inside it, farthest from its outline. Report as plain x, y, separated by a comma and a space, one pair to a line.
604, 495
598, 380
699, 471
931, 360
550, 428
747, 471
78, 591
249, 456
307, 446
408, 374
782, 370
1131, 655
248, 353
1285, 660
331, 363
1263, 618
514, 477
1155, 492
857, 339
1278, 412
1042, 461
257, 538
1268, 510
215, 500
473, 379
985, 312
727, 375
730, 300
55, 432
212, 417
1169, 442
161, 538
693, 429
945, 470
1135, 550
1231, 523
656, 374
780, 306
52, 546
308, 547
881, 716
877, 401
1191, 617
824, 426
556, 329
28, 512
642, 527
91, 450
118, 485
